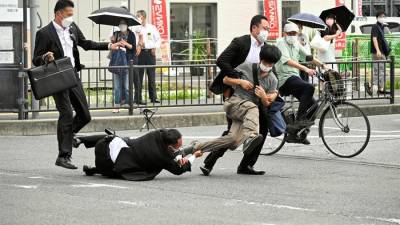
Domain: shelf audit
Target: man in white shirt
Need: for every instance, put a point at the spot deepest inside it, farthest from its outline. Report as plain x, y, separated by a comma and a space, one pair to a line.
147, 56
61, 38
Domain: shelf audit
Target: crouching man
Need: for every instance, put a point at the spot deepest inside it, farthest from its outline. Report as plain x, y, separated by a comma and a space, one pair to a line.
138, 159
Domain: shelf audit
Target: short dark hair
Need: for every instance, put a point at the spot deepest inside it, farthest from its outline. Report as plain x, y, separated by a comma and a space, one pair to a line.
142, 12
380, 13
170, 136
256, 20
62, 4
270, 53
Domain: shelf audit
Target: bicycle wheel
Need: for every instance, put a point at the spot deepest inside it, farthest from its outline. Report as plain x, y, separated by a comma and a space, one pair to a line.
272, 145
344, 129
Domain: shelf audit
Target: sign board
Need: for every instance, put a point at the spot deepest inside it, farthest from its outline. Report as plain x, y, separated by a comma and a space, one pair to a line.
271, 12
340, 42
11, 15
159, 19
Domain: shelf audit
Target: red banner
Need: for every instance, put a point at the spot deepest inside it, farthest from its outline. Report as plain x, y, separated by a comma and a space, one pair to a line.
271, 12
340, 42
359, 7
159, 19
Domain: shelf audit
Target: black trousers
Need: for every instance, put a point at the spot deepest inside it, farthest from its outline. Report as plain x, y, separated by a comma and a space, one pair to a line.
68, 124
303, 91
247, 160
145, 58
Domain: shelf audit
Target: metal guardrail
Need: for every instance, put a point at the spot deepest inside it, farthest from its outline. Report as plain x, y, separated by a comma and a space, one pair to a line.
184, 85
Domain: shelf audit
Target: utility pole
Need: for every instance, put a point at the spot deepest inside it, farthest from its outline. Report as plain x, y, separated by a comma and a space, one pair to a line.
35, 24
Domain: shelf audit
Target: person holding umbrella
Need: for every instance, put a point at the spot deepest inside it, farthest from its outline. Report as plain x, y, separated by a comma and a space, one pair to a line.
61, 38
330, 34
121, 79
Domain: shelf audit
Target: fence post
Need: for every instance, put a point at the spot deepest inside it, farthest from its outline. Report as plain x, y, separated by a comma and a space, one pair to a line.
131, 72
392, 80
21, 100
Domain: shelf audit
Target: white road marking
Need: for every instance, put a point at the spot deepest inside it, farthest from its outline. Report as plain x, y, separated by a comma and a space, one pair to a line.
390, 220
233, 202
27, 186
132, 203
37, 177
93, 185
9, 174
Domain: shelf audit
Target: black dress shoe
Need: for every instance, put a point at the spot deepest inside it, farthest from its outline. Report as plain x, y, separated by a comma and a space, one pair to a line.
66, 163
383, 92
251, 143
141, 103
155, 101
206, 171
249, 170
89, 171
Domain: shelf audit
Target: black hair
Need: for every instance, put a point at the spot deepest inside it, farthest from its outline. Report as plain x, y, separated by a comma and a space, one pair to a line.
256, 20
62, 4
380, 13
170, 136
331, 16
270, 53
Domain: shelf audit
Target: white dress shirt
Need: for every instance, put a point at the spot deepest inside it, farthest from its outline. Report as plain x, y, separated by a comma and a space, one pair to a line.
66, 42
254, 53
151, 36
115, 147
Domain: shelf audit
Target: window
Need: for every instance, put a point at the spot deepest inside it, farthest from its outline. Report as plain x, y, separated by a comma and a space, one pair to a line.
192, 26
289, 8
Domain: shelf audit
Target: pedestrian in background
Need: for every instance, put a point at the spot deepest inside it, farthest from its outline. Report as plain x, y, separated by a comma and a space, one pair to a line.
330, 34
147, 56
380, 50
121, 78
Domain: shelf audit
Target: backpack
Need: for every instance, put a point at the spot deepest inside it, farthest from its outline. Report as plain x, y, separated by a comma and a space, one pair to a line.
335, 83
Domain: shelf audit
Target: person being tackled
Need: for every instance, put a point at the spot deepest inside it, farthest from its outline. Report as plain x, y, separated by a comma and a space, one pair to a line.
243, 106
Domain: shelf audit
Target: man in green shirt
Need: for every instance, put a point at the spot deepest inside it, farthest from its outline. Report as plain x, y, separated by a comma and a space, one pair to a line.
288, 71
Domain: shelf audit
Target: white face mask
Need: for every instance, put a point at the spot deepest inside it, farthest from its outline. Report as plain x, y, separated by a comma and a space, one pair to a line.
262, 36
66, 22
291, 40
265, 68
381, 20
123, 27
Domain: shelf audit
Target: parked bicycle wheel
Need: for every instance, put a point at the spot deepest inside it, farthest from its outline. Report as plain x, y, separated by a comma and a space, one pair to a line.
345, 129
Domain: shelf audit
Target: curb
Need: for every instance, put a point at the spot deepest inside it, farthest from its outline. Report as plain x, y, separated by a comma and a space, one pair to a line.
49, 126
98, 124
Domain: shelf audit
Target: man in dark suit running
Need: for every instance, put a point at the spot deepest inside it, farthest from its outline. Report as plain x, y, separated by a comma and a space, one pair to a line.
244, 48
58, 39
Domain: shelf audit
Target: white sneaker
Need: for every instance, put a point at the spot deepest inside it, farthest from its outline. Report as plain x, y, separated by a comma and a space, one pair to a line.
115, 111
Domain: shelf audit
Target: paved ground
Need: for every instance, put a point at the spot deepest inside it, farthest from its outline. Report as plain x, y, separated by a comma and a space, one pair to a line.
303, 185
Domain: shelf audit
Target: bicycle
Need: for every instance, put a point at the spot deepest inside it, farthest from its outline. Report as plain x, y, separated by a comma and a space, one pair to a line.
336, 115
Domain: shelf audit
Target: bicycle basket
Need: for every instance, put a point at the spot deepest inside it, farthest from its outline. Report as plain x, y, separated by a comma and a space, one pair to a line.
334, 83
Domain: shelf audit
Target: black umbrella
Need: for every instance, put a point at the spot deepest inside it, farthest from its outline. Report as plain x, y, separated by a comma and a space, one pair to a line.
344, 16
112, 16
308, 20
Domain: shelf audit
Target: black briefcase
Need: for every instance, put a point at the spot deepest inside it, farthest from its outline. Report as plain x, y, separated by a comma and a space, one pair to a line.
53, 77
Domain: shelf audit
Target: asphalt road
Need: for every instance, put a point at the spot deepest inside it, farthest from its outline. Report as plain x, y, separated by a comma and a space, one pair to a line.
302, 185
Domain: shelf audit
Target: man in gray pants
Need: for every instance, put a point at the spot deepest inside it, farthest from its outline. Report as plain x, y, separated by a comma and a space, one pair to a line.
380, 50
242, 107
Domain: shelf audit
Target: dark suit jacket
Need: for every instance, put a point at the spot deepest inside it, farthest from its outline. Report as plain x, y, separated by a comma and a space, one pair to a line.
146, 157
234, 55
47, 40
